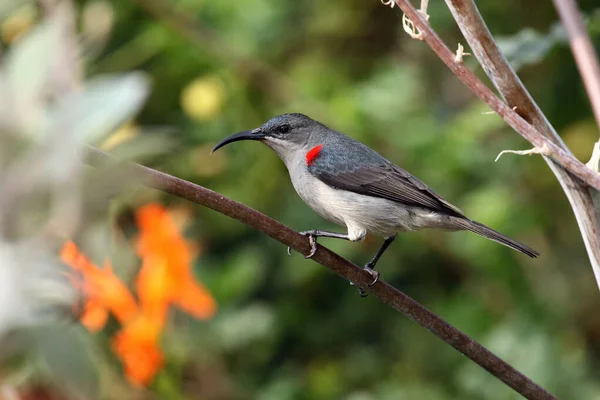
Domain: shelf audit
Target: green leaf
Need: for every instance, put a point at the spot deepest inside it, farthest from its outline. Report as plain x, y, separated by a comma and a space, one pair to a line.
528, 46
98, 109
28, 68
64, 354
89, 114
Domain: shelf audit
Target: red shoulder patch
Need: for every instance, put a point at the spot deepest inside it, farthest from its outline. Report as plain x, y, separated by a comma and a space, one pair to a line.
312, 154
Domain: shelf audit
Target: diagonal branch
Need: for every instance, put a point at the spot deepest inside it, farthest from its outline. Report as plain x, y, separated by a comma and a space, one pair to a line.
583, 51
527, 114
509, 115
497, 67
347, 270
512, 89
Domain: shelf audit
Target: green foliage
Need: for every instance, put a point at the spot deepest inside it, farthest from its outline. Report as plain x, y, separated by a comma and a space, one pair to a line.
529, 47
66, 357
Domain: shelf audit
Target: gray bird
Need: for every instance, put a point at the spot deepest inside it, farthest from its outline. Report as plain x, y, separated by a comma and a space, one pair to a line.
350, 184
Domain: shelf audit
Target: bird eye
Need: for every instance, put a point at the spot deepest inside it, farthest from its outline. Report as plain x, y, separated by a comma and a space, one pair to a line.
285, 128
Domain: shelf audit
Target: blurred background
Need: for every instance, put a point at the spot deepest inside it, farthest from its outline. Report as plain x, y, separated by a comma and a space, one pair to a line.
286, 327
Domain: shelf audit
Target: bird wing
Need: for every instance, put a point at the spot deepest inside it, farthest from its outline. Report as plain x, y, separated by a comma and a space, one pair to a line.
366, 172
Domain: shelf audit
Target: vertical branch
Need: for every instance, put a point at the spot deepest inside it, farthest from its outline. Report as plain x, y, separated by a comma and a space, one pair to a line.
583, 51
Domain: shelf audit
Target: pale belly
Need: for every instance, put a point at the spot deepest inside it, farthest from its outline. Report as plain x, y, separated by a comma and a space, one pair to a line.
362, 214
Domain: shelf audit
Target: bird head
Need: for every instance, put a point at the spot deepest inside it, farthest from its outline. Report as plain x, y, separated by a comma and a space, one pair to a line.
287, 134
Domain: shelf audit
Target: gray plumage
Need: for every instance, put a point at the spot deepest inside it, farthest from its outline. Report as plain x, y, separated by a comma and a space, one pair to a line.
350, 184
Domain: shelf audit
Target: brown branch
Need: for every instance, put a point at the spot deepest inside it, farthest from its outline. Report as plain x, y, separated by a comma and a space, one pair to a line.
497, 67
347, 270
583, 51
527, 112
513, 91
511, 117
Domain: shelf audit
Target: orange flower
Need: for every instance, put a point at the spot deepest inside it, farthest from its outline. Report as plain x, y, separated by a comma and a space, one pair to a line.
112, 292
137, 347
153, 285
194, 299
166, 277
102, 289
94, 315
69, 254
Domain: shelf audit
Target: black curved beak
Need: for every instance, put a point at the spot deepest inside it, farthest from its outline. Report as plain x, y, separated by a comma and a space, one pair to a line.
255, 134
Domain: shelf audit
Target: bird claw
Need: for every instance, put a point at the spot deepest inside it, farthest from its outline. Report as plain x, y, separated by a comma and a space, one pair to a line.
313, 244
375, 276
361, 292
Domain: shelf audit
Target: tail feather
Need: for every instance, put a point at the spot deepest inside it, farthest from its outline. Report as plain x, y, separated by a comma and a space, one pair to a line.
491, 234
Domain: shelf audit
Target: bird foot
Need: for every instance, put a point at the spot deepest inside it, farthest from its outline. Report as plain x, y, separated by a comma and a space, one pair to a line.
312, 239
369, 269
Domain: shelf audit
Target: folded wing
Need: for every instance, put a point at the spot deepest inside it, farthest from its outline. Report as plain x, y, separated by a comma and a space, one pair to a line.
366, 172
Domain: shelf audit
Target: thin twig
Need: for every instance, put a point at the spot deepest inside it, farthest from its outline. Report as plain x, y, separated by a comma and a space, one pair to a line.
460, 54
567, 169
583, 51
511, 88
347, 270
528, 152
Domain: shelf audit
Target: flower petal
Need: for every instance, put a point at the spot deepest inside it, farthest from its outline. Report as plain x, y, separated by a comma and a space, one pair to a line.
154, 287
194, 299
113, 293
136, 345
94, 316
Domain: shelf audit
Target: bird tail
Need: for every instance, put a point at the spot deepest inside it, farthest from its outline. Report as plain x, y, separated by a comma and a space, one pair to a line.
491, 234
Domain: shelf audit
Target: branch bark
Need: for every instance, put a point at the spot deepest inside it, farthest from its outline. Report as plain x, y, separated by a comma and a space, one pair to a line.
347, 270
527, 119
509, 115
583, 51
512, 89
